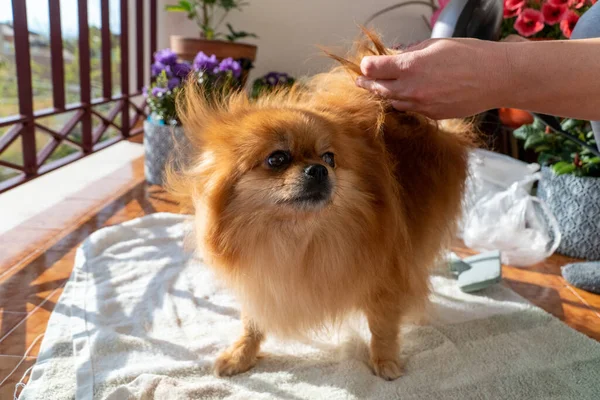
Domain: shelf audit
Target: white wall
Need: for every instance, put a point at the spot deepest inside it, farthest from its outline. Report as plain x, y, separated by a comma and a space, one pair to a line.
289, 30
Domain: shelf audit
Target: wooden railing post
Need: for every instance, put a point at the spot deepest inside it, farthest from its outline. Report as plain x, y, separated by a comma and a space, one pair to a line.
125, 66
84, 76
25, 90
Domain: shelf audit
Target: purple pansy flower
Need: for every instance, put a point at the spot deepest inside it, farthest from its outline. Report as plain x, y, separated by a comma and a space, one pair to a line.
173, 83
158, 91
275, 78
145, 91
229, 64
272, 78
156, 68
181, 70
204, 62
166, 57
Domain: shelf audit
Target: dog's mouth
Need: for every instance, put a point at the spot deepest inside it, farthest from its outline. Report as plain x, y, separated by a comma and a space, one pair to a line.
312, 199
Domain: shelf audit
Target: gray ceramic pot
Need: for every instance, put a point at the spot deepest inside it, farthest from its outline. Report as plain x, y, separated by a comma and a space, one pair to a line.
575, 202
159, 143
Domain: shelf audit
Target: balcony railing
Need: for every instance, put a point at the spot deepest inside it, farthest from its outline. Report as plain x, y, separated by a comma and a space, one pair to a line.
91, 117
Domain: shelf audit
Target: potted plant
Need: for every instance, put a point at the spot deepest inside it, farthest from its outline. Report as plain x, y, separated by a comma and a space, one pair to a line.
538, 20
570, 183
209, 15
270, 82
162, 130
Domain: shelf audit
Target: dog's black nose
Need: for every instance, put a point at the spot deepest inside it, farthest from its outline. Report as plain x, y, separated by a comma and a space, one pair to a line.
317, 172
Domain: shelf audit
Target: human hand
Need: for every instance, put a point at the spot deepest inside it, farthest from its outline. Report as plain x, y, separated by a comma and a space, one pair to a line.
440, 78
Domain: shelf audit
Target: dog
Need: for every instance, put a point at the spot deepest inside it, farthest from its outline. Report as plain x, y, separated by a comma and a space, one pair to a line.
319, 201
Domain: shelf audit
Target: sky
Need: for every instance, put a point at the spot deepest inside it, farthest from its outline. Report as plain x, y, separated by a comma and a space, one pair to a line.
37, 15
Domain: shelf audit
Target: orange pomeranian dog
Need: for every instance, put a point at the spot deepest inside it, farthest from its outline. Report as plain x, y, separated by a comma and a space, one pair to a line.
320, 201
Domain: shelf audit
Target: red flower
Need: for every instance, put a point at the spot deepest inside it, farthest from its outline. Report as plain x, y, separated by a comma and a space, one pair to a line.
529, 22
552, 13
577, 3
513, 7
568, 23
559, 2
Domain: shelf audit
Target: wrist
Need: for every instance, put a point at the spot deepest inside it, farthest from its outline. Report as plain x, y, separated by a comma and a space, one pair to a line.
502, 74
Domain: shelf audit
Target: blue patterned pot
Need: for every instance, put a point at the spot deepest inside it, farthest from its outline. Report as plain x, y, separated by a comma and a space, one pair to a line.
575, 202
159, 143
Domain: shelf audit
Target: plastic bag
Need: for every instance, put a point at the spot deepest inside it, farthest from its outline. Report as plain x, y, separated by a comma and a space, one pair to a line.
491, 172
519, 225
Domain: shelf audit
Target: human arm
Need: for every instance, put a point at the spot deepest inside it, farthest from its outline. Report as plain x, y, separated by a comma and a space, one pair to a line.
451, 78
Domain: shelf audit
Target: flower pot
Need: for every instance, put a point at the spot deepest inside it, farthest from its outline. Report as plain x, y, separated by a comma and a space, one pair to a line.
514, 118
186, 49
159, 143
575, 202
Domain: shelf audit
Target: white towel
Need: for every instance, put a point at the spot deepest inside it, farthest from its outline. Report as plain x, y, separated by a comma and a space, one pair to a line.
141, 319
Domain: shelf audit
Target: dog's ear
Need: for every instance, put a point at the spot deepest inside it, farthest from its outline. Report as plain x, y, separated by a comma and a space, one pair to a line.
197, 108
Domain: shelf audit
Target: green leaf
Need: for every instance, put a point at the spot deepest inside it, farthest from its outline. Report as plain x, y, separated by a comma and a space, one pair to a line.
546, 158
563, 167
175, 9
228, 4
542, 148
538, 124
595, 160
524, 131
183, 6
534, 140
569, 123
233, 36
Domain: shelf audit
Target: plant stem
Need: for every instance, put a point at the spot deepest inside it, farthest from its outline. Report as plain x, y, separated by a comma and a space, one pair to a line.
205, 17
221, 20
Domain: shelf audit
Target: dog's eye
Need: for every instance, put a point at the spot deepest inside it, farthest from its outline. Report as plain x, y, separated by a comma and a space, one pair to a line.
279, 159
328, 158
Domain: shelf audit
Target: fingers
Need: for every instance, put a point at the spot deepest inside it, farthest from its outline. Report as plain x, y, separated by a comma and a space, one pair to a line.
390, 89
382, 67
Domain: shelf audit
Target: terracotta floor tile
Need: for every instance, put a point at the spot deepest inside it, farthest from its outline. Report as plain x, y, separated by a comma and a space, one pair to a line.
591, 299
8, 320
17, 341
7, 364
47, 272
535, 277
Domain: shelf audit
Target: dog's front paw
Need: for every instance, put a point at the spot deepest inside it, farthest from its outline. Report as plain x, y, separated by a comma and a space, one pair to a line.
234, 361
387, 369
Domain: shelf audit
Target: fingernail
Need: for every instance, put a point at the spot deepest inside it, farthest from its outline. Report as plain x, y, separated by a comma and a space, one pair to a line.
360, 81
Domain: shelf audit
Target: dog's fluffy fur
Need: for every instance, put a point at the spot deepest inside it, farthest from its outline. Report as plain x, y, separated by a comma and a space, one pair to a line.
396, 190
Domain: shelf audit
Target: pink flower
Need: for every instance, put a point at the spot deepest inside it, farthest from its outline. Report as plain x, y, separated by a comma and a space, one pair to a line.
559, 2
577, 4
513, 7
436, 13
553, 13
568, 23
529, 22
